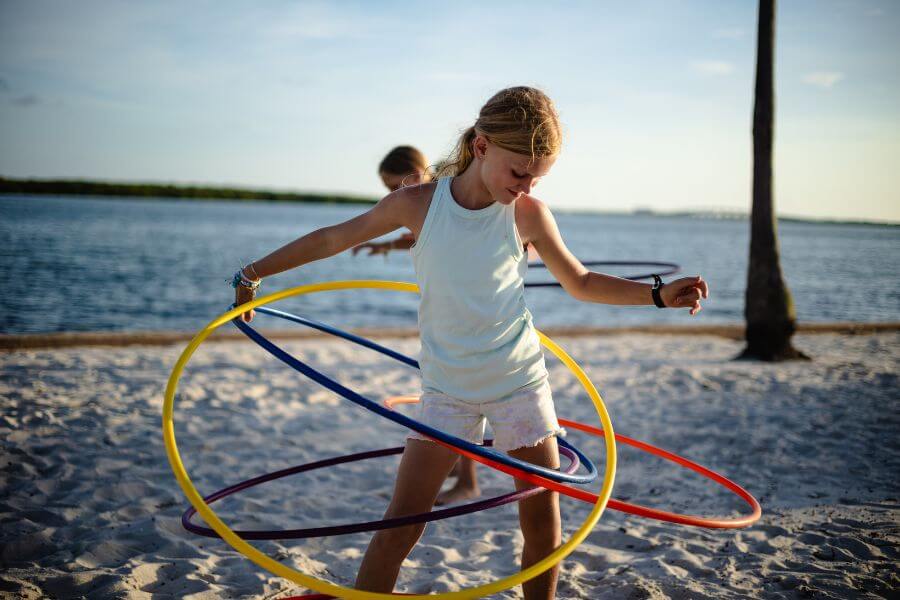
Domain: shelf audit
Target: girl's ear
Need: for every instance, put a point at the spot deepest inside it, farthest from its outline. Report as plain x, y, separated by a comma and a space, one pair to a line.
479, 146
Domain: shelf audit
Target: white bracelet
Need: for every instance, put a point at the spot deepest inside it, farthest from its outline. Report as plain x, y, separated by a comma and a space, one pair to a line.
240, 280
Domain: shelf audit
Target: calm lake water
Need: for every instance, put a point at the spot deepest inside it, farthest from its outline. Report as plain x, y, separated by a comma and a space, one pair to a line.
83, 264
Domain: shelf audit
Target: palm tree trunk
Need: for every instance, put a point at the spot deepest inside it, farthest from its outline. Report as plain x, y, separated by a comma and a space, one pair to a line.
769, 308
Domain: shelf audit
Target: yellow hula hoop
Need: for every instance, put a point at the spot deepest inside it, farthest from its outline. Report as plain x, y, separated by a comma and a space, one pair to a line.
325, 587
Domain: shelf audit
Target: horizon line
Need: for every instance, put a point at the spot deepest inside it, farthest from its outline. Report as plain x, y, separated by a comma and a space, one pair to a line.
716, 212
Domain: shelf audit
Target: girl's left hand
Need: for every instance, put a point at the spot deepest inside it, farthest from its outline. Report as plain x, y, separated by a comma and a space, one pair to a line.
685, 292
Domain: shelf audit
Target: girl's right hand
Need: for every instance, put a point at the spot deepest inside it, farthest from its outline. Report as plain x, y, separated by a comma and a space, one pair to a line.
242, 295
374, 248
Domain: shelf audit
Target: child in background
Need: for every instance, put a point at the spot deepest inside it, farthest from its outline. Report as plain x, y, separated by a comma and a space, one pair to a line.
403, 166
481, 357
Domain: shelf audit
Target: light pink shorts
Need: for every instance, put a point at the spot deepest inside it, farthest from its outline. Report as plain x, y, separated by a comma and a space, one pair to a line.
519, 420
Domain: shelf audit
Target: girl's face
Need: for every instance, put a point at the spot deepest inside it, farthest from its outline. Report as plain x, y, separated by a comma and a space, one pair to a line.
394, 182
508, 175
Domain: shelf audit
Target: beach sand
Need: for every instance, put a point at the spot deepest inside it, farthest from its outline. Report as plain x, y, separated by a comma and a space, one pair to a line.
90, 507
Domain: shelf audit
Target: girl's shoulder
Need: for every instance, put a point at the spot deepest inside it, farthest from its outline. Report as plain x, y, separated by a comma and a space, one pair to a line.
420, 191
412, 195
530, 210
416, 196
413, 202
529, 204
532, 217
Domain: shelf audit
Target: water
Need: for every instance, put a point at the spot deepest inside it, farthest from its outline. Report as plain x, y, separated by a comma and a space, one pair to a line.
82, 264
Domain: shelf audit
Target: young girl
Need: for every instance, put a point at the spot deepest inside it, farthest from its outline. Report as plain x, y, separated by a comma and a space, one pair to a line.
481, 358
406, 166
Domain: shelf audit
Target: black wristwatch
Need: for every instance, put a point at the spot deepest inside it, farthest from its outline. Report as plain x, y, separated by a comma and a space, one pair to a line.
654, 291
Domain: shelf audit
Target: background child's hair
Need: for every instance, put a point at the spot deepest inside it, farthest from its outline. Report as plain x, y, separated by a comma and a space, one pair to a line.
520, 119
403, 160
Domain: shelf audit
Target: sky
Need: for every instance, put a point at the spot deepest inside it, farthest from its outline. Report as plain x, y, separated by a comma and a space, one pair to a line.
655, 97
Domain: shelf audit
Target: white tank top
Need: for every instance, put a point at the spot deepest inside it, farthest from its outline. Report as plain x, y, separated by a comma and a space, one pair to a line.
478, 340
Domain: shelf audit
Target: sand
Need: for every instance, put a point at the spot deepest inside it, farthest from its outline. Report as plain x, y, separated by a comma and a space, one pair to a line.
90, 508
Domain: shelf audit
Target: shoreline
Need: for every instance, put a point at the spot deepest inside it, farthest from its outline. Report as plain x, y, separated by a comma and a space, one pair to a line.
34, 341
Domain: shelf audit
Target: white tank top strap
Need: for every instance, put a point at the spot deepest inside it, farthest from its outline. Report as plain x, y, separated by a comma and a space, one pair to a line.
434, 207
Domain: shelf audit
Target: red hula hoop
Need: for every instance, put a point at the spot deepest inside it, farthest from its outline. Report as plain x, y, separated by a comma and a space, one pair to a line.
620, 505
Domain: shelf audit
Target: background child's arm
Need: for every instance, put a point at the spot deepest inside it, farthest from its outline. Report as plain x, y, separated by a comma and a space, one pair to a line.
404, 242
538, 226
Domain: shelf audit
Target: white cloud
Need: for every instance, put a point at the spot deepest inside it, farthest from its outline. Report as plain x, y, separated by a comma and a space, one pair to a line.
712, 67
728, 33
823, 79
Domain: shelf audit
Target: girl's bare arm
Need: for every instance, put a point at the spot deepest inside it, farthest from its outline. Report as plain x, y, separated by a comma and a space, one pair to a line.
537, 225
392, 212
386, 216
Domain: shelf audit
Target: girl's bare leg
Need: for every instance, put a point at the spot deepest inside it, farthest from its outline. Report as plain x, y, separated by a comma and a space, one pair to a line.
540, 522
423, 469
466, 486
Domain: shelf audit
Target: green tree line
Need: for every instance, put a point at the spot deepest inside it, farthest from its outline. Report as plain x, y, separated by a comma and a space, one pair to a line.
64, 187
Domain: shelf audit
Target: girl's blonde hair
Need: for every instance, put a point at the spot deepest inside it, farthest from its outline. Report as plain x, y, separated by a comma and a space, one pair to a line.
520, 119
404, 160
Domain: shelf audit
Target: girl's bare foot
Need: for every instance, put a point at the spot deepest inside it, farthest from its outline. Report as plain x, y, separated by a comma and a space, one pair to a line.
458, 493
466, 486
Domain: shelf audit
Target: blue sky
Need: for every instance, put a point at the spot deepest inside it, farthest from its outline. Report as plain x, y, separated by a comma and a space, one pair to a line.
655, 97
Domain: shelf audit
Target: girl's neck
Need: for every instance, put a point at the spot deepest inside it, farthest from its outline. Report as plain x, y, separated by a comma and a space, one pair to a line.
469, 191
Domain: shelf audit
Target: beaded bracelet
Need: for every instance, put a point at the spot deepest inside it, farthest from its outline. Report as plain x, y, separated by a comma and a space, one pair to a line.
240, 280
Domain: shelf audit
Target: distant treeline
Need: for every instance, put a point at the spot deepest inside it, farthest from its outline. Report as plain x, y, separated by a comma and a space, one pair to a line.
64, 187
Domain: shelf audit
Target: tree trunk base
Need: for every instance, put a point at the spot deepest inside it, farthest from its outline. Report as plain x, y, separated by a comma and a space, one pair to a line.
770, 341
772, 355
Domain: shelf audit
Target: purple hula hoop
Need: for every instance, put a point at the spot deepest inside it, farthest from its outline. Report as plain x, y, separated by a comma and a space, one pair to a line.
671, 269
297, 534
